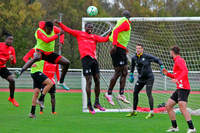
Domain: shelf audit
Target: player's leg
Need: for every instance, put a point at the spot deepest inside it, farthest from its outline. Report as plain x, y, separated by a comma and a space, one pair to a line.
121, 95
54, 58
37, 57
113, 81
53, 103
65, 66
48, 84
97, 104
34, 99
6, 74
170, 110
182, 102
149, 87
138, 87
88, 91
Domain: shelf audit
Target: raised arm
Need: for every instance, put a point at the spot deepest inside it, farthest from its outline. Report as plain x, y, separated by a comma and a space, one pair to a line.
68, 30
13, 59
102, 39
62, 37
155, 59
46, 39
123, 27
29, 55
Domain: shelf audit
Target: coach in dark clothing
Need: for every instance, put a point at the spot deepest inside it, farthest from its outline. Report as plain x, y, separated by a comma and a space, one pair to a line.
142, 61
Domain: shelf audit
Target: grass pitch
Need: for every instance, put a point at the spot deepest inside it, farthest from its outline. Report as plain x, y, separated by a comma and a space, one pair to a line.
70, 119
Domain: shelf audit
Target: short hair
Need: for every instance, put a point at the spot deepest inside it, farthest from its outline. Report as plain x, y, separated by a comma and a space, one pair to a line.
175, 49
5, 33
141, 45
87, 24
49, 24
126, 14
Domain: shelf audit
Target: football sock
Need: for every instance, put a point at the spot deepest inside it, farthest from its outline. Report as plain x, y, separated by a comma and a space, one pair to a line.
174, 124
96, 100
190, 124
33, 110
110, 91
41, 97
121, 91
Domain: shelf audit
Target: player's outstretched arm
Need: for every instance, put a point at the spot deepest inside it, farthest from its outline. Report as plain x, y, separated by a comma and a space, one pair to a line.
67, 29
156, 60
57, 31
123, 27
101, 39
46, 39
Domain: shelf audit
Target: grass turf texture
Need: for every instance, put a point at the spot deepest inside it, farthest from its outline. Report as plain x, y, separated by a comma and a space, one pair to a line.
70, 118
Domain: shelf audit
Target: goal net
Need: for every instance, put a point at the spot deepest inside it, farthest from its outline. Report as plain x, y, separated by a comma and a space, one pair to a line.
157, 35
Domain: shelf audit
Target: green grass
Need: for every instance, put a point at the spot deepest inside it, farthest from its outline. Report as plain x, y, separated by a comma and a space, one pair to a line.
70, 118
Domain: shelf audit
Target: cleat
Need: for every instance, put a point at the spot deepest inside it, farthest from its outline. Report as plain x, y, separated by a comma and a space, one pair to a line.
109, 99
53, 113
13, 101
150, 115
32, 116
17, 74
123, 99
191, 130
41, 103
172, 129
62, 85
98, 106
132, 114
41, 112
91, 110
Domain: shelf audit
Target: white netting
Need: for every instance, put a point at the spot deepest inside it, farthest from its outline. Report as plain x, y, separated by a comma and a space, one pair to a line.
157, 35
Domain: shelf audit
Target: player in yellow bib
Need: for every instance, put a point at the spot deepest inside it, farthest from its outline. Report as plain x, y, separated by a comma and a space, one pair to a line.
45, 36
120, 38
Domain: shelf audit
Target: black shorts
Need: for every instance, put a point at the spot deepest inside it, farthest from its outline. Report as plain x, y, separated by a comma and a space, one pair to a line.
4, 72
90, 66
119, 58
38, 79
141, 83
52, 90
51, 58
180, 95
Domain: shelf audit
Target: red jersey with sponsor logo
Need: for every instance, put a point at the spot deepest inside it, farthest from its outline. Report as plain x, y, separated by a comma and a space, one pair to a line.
5, 53
86, 42
180, 72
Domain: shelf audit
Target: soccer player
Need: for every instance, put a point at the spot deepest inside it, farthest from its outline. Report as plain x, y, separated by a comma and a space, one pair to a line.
7, 52
39, 71
87, 49
180, 96
145, 77
46, 35
120, 38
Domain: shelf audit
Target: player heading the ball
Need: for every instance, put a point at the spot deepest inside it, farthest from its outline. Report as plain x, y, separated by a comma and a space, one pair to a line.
87, 48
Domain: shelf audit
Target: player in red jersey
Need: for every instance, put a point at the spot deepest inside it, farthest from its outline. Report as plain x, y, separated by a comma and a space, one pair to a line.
87, 49
180, 96
7, 52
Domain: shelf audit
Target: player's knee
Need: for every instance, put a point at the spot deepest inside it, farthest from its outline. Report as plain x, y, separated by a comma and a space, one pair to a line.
11, 81
36, 58
168, 107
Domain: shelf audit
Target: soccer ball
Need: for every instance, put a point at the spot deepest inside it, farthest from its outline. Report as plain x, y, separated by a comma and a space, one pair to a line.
92, 11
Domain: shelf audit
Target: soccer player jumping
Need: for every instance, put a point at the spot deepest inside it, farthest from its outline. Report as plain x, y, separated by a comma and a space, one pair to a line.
46, 35
87, 49
145, 77
42, 74
120, 38
180, 96
7, 52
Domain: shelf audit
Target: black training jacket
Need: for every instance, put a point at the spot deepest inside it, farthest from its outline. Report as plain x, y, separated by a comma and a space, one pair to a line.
143, 65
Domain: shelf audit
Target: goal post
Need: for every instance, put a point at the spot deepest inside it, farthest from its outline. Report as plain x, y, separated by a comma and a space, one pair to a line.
157, 34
